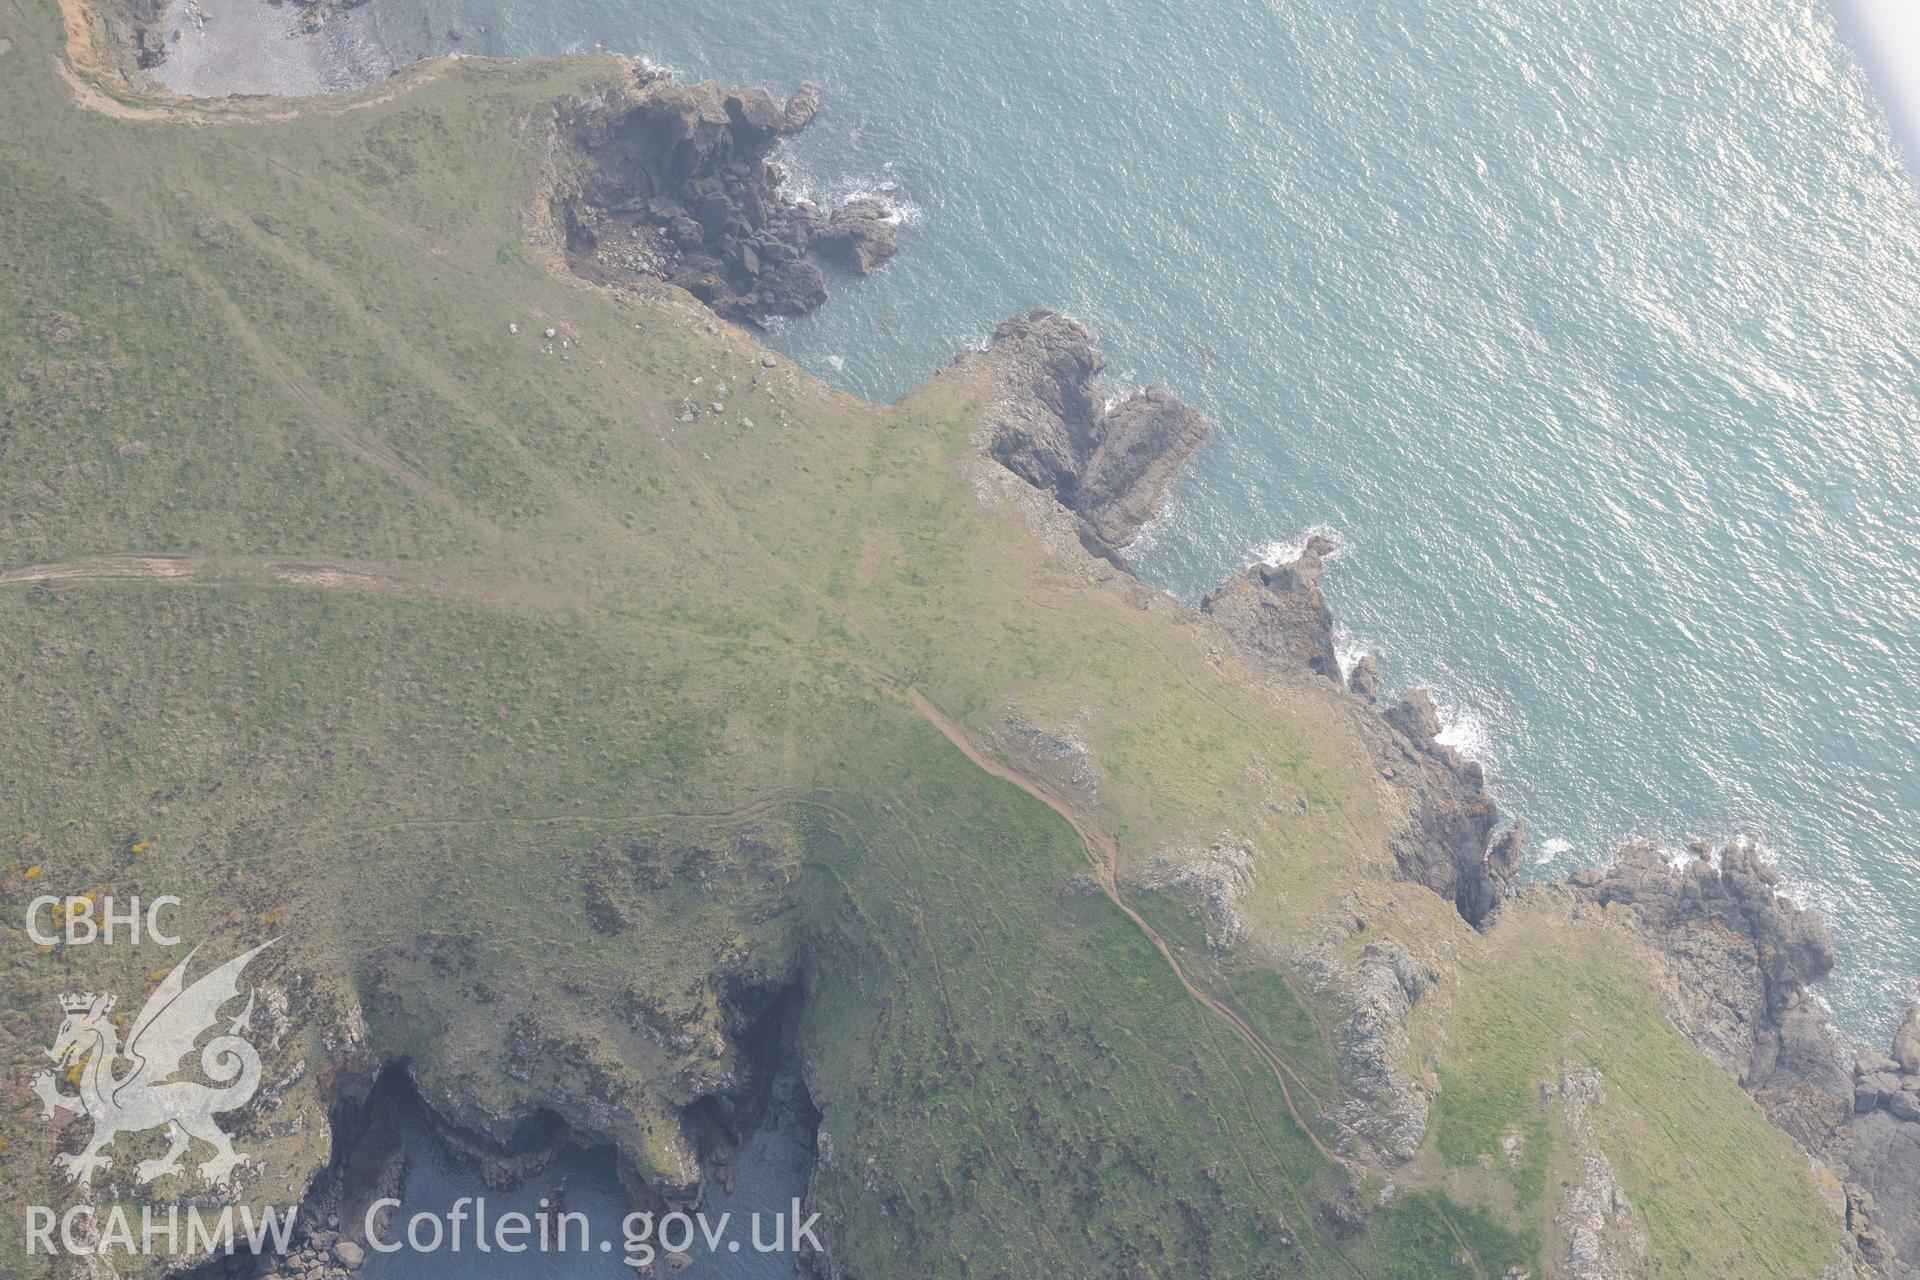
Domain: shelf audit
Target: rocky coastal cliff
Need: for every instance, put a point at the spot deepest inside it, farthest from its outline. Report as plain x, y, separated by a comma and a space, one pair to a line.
639, 1035
137, 29
1110, 466
677, 183
1278, 616
1742, 960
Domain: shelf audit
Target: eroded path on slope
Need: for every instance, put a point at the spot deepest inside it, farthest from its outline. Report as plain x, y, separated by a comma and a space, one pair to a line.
1104, 855
308, 571
1105, 858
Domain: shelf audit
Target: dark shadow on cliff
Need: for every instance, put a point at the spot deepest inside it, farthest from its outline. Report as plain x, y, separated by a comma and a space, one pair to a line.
386, 1134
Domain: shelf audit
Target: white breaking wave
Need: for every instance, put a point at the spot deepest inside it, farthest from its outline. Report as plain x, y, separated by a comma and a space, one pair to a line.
901, 212
1111, 403
1144, 538
1678, 858
803, 184
1348, 652
1465, 731
1284, 550
1802, 892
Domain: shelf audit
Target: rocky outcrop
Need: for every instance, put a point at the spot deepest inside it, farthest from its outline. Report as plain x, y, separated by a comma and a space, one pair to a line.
860, 235
1449, 846
314, 14
1906, 1042
1449, 842
1484, 885
138, 27
1388, 1110
1278, 618
1884, 1161
1882, 1153
803, 104
1363, 682
1059, 750
1602, 1234
1417, 719
1110, 467
1741, 960
1213, 880
1142, 443
1279, 615
1744, 958
676, 183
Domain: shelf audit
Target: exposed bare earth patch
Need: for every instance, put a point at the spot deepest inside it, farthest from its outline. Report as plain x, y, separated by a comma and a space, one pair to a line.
157, 567
325, 574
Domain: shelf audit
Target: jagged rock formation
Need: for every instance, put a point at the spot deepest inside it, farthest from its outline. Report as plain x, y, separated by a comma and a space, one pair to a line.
1111, 470
1363, 682
1744, 958
1110, 467
1880, 1143
1387, 1109
677, 184
315, 13
1214, 880
139, 27
1603, 1237
1741, 960
1450, 846
859, 236
1906, 1042
1277, 615
803, 104
1280, 614
1883, 1155
1884, 1150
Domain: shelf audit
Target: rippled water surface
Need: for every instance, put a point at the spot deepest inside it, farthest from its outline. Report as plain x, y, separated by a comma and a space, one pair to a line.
1589, 329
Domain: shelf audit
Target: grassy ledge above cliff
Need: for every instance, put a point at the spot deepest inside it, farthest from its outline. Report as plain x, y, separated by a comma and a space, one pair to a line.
540, 722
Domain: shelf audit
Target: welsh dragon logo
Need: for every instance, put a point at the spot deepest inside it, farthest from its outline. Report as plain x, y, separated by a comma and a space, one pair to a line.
133, 1090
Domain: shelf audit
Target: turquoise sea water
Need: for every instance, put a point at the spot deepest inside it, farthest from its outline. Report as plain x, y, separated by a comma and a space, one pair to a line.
1590, 330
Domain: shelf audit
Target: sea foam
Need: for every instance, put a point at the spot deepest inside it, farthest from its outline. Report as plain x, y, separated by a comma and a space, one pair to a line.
1286, 550
1551, 849
1464, 730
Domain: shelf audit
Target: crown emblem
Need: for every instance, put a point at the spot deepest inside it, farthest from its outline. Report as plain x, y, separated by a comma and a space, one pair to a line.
142, 1091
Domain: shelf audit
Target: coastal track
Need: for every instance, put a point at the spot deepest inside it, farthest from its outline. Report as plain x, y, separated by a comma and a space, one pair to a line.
1104, 855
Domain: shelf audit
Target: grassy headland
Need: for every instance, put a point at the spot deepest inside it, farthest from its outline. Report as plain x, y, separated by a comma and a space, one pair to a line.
540, 721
